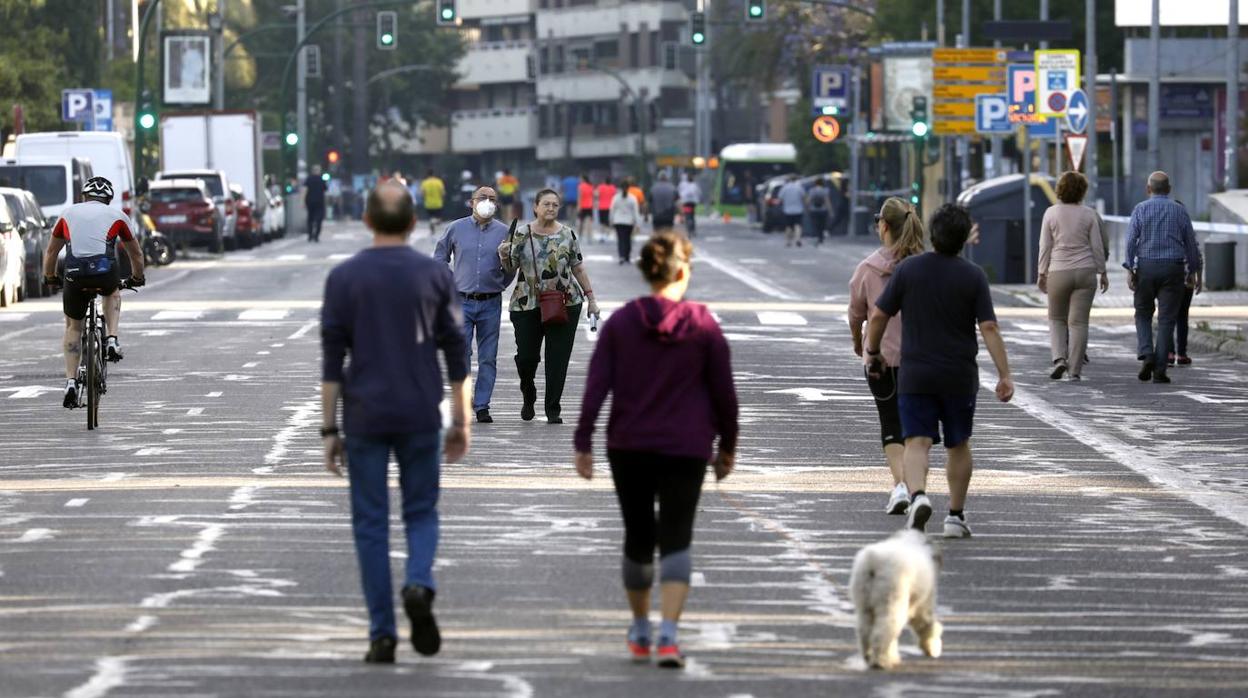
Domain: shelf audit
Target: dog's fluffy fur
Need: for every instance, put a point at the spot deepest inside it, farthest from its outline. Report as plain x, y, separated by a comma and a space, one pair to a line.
894, 584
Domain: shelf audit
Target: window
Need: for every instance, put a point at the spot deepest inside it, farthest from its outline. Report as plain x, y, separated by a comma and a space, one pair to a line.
653, 59
634, 49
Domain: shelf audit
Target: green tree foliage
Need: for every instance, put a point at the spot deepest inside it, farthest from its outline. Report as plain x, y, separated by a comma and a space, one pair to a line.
814, 157
33, 67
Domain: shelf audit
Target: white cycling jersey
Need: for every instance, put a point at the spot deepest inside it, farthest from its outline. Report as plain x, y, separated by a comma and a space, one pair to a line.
91, 228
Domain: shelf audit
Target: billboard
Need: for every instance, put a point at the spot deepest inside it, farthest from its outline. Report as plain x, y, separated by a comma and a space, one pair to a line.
1177, 13
905, 77
187, 75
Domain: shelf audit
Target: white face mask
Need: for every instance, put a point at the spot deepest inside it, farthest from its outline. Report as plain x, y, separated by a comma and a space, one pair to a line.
485, 208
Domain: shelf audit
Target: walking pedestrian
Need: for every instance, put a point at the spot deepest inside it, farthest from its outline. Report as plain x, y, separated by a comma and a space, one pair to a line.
314, 201
571, 187
666, 364
392, 309
551, 287
1072, 255
470, 246
508, 192
690, 196
605, 191
663, 198
585, 208
434, 192
1162, 257
625, 218
793, 206
819, 198
943, 298
1191, 289
636, 192
901, 232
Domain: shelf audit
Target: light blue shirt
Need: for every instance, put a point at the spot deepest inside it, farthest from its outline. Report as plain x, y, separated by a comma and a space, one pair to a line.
472, 251
1161, 231
792, 199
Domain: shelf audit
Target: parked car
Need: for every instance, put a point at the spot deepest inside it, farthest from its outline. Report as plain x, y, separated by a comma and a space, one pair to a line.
56, 184
35, 232
105, 150
218, 186
250, 232
183, 209
12, 258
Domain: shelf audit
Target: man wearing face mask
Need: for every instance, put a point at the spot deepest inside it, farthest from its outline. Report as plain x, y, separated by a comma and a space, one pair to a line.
470, 246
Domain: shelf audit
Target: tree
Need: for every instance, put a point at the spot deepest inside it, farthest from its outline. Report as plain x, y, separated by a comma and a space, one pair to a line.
32, 71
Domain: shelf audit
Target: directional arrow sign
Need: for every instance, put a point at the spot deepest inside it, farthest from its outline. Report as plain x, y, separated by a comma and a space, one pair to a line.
1077, 112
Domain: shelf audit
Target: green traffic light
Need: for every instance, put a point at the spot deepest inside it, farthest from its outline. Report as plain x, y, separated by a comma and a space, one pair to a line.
387, 39
919, 129
915, 199
147, 120
756, 11
325, 177
699, 37
448, 14
292, 138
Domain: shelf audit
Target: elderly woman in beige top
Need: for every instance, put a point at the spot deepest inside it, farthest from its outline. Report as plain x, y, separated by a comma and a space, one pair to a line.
1072, 254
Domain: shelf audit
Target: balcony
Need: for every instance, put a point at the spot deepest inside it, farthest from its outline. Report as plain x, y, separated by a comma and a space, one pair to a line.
494, 129
593, 20
481, 9
491, 63
430, 140
594, 86
623, 145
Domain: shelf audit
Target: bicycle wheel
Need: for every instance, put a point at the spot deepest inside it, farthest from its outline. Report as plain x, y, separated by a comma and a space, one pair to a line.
90, 352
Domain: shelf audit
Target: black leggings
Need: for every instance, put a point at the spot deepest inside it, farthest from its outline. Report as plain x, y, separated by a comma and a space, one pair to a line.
885, 392
677, 483
624, 241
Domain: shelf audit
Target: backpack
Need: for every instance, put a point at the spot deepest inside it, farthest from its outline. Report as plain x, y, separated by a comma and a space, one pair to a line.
818, 199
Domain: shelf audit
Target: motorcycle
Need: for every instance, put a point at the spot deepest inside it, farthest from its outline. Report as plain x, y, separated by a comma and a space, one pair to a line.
158, 250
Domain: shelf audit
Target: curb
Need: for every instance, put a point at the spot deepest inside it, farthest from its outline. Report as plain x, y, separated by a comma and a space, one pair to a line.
1208, 341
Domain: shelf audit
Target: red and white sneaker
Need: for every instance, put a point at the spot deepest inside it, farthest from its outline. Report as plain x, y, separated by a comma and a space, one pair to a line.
639, 653
670, 657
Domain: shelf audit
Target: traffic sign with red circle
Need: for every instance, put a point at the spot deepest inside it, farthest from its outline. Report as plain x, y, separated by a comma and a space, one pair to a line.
826, 129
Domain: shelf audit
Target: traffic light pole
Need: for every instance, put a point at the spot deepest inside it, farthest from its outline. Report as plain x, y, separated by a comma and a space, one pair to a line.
301, 93
138, 86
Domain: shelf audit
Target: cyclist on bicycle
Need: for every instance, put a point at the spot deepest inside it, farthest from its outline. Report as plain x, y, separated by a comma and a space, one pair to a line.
91, 230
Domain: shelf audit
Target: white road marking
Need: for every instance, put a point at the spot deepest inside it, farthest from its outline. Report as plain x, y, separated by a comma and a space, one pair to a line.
110, 673
154, 451
29, 391
205, 543
306, 328
264, 314
76, 503
13, 317
235, 377
778, 317
747, 277
339, 256
304, 415
251, 364
178, 315
819, 395
34, 535
263, 353
194, 411
215, 393
291, 257
141, 624
1209, 399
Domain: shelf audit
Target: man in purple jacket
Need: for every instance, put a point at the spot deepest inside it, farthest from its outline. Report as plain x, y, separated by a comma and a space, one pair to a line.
392, 310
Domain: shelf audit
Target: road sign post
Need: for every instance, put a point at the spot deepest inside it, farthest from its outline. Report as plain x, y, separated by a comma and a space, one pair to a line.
829, 90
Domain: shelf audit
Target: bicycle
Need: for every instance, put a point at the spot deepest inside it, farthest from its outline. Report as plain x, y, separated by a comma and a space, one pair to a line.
92, 376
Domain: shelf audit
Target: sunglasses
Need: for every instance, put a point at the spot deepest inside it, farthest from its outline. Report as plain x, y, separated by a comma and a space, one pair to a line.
877, 218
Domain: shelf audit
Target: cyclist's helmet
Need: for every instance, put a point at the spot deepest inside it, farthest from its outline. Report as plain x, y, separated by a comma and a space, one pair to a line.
98, 188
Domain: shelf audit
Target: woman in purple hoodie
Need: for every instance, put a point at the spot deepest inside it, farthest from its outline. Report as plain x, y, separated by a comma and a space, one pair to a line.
901, 231
666, 363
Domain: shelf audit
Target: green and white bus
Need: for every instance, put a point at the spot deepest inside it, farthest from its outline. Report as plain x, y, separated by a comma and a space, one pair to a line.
744, 166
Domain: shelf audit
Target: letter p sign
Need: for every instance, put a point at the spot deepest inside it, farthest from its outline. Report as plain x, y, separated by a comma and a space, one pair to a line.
992, 114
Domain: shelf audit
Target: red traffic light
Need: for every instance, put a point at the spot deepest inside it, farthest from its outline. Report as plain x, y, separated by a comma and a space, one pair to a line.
332, 157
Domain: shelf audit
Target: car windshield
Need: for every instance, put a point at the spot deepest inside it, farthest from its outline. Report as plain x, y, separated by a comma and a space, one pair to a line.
175, 196
46, 182
212, 182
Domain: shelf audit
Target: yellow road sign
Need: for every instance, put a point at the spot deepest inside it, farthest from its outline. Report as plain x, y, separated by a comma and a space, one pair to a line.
826, 129
968, 55
995, 75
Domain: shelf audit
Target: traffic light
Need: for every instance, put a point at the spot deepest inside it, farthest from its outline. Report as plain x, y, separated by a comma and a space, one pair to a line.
292, 138
916, 192
387, 30
697, 28
755, 10
918, 117
332, 157
447, 13
146, 112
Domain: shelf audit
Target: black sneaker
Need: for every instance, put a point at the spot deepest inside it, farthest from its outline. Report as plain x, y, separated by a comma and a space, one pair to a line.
1146, 371
71, 396
529, 393
112, 349
418, 603
1161, 377
554, 420
1059, 369
483, 416
381, 650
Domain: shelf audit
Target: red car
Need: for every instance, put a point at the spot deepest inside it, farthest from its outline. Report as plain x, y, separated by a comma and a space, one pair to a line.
249, 229
183, 210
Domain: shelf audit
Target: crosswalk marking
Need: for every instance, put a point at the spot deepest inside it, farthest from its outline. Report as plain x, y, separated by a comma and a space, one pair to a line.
178, 315
263, 314
13, 317
781, 317
291, 257
74, 503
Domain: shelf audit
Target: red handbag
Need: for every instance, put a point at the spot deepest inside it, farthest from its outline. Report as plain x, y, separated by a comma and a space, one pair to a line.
553, 304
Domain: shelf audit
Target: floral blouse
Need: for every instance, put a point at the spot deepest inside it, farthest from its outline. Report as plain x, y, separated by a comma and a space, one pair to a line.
557, 255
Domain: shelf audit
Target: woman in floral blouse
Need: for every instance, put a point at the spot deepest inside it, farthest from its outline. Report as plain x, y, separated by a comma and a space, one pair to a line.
547, 257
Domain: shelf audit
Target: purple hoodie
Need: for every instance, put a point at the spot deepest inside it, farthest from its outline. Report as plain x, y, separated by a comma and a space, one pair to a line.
668, 369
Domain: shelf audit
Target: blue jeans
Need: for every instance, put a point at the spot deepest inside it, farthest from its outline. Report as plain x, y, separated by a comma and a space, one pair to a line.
483, 317
1160, 285
368, 459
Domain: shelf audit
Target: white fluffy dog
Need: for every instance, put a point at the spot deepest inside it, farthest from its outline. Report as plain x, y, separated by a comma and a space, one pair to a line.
894, 584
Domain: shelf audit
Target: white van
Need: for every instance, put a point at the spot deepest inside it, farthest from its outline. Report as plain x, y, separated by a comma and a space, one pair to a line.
56, 184
106, 150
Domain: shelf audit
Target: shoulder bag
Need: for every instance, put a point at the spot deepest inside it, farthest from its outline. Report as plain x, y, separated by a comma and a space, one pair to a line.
553, 304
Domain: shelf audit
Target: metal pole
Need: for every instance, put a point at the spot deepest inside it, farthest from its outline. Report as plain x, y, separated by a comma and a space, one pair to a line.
140, 58
218, 50
964, 143
1154, 91
966, 22
1089, 65
940, 22
855, 148
301, 93
111, 32
1232, 99
998, 164
1113, 133
1044, 150
1026, 205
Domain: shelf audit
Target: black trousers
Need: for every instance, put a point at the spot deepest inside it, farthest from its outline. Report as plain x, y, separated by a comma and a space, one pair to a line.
624, 241
1180, 326
884, 390
641, 478
316, 214
819, 221
530, 334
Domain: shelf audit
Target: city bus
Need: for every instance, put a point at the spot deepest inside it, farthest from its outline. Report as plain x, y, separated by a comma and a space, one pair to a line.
744, 166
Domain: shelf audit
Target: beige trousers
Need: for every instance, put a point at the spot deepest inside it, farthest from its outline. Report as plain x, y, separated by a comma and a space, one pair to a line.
1070, 303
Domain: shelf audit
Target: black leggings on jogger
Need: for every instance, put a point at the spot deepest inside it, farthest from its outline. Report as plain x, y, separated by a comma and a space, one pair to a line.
676, 481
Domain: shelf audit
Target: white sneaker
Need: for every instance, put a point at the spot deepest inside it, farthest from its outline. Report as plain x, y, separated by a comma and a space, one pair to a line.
955, 527
920, 512
898, 501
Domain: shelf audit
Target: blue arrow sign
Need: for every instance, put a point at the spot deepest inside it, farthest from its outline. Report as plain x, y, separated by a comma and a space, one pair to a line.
1077, 112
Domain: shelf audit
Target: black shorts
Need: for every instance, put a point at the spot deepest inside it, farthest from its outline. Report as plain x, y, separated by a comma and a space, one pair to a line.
434, 213
793, 220
664, 221
75, 298
604, 216
584, 213
506, 199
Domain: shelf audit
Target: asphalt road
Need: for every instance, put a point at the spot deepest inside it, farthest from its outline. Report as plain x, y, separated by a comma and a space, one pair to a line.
193, 546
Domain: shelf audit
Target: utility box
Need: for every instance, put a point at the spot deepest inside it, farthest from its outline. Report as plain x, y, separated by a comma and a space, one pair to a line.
1220, 265
1004, 252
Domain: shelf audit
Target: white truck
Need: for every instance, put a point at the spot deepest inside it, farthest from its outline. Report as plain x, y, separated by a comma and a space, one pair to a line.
227, 141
